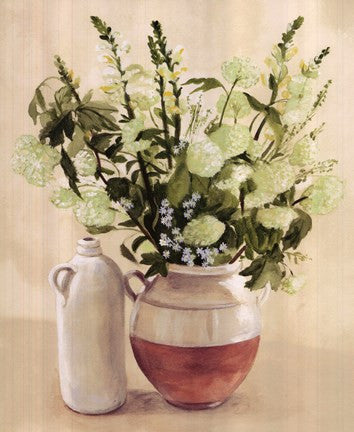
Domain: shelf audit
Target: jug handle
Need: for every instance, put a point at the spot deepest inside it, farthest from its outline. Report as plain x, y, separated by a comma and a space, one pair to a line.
128, 289
262, 298
54, 273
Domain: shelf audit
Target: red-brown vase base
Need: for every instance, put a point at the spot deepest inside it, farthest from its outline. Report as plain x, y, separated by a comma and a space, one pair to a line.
195, 377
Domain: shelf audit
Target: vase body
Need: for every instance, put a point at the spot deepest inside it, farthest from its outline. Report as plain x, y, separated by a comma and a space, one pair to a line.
90, 324
195, 333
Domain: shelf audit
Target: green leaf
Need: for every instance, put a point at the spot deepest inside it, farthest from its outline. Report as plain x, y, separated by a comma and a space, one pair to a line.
263, 271
157, 263
77, 143
178, 185
298, 230
127, 254
200, 184
119, 159
206, 84
117, 188
274, 115
101, 141
107, 171
255, 104
129, 224
87, 97
137, 242
149, 134
100, 230
272, 83
69, 171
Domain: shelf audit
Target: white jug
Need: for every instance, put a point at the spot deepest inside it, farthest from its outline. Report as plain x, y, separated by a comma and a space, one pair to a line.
90, 322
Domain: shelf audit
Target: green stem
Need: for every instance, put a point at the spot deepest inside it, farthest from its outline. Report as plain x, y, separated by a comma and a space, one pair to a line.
149, 192
259, 130
226, 102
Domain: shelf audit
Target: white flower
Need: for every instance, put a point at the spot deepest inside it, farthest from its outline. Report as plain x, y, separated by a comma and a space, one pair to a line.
292, 284
126, 203
204, 158
242, 70
85, 162
324, 195
304, 152
93, 210
222, 247
188, 257
165, 240
196, 196
188, 214
232, 140
276, 217
237, 105
166, 254
167, 220
34, 160
203, 231
165, 203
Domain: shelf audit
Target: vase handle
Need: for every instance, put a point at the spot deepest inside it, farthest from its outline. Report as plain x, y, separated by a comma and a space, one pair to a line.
54, 273
262, 298
128, 289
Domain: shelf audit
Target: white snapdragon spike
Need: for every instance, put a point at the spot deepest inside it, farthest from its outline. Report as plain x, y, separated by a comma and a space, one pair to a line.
241, 69
177, 54
300, 102
276, 217
34, 160
324, 195
93, 209
232, 140
304, 152
204, 158
203, 231
292, 284
85, 163
144, 99
237, 105
64, 198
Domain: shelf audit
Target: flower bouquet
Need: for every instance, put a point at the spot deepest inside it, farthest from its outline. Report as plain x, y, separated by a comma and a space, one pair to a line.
195, 185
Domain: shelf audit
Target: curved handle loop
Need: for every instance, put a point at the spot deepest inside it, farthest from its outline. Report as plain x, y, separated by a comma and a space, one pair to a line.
262, 298
128, 289
54, 273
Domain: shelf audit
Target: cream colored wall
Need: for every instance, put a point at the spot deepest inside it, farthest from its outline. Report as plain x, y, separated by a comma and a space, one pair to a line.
311, 330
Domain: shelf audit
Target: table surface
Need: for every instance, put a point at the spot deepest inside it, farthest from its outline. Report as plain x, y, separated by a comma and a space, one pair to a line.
290, 388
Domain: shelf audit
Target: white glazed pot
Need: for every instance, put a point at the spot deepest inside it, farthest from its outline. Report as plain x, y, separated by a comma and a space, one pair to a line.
195, 333
90, 323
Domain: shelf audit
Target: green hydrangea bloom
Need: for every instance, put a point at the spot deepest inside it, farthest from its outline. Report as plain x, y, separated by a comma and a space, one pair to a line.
85, 163
276, 217
324, 195
304, 152
237, 105
242, 70
204, 158
258, 198
255, 149
93, 209
232, 140
203, 231
292, 284
300, 102
275, 177
34, 160
64, 198
231, 177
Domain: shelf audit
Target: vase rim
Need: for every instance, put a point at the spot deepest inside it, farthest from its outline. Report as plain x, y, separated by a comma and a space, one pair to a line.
205, 271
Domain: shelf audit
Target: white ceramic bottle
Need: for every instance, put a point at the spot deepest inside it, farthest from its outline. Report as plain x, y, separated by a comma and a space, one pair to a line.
90, 322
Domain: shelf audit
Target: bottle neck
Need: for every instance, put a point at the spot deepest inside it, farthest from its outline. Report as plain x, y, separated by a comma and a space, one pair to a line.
89, 246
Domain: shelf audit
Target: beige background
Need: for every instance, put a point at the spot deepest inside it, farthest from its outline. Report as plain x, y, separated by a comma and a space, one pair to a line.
303, 377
